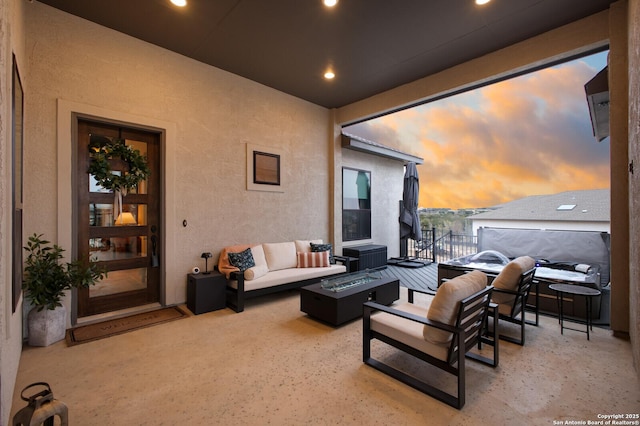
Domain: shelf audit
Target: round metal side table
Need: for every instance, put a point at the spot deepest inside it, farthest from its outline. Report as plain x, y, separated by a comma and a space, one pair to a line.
575, 290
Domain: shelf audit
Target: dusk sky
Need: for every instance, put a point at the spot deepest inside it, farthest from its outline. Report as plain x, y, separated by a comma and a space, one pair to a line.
530, 135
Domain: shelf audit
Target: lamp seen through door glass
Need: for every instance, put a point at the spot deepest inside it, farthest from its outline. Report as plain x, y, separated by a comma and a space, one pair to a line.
206, 256
126, 218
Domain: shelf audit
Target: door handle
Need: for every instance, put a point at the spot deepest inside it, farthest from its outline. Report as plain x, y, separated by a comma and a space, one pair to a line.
154, 252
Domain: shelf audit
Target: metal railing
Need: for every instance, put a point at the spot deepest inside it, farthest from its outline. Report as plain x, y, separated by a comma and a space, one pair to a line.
437, 248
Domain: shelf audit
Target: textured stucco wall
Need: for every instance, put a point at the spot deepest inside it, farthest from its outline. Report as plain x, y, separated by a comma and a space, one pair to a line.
214, 115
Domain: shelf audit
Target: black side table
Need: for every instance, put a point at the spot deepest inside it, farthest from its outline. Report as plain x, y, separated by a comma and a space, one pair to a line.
575, 290
206, 292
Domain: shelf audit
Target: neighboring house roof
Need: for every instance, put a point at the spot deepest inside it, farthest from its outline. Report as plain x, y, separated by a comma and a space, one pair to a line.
358, 143
591, 205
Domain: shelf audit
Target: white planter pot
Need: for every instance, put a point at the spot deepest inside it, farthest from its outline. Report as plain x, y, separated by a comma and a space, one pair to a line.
47, 326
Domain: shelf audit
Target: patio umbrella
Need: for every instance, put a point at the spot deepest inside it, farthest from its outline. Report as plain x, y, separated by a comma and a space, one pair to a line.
409, 220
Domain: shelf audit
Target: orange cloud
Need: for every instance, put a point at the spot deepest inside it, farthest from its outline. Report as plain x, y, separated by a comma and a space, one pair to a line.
530, 135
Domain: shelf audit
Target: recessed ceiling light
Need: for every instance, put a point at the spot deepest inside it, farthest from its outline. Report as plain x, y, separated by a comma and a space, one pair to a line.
481, 2
329, 75
330, 3
181, 3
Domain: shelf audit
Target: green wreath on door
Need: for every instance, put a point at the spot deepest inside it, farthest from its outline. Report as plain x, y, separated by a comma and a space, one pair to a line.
101, 169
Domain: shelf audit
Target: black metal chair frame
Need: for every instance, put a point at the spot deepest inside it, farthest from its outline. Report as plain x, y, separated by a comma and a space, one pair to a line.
519, 305
467, 333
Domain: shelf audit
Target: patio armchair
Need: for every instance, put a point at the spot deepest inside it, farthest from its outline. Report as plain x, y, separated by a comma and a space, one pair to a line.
442, 333
511, 291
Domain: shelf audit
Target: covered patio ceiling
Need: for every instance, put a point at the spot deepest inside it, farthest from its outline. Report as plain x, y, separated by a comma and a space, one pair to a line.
371, 45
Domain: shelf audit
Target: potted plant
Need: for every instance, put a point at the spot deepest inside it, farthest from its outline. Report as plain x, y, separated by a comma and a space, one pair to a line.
46, 280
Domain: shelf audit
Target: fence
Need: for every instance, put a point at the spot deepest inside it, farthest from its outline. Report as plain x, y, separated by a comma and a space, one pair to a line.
438, 248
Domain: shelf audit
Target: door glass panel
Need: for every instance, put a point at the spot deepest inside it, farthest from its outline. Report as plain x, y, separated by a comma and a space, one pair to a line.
120, 281
116, 248
94, 187
117, 166
132, 214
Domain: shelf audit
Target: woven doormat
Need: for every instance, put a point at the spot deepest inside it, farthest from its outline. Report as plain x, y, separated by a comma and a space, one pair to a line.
101, 330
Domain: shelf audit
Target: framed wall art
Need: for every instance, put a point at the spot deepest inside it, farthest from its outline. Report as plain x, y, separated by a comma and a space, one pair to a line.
265, 169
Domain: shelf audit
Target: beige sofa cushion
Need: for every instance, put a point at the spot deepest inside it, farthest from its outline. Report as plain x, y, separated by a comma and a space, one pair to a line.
445, 304
260, 261
509, 277
258, 255
289, 275
280, 255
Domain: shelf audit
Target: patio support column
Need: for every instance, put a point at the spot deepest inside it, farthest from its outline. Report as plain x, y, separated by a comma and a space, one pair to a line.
619, 116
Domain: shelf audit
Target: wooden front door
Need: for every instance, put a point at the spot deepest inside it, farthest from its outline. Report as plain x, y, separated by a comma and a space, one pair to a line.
125, 239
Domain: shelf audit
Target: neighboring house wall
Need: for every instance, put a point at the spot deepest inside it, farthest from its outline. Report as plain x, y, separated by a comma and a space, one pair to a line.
387, 178
555, 225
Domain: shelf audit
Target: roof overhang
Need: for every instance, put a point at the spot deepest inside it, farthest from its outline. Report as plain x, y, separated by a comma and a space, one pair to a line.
597, 91
363, 145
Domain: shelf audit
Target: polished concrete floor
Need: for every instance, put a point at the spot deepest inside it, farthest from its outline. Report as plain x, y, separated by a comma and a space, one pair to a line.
273, 365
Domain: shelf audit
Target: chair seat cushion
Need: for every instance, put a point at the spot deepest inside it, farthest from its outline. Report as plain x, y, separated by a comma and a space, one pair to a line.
407, 331
445, 304
509, 278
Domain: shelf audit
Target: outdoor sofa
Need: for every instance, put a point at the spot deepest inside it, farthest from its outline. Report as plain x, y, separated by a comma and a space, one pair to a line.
254, 270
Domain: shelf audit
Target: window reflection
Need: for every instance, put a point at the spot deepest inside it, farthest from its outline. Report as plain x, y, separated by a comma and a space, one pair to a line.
120, 281
356, 204
132, 215
116, 248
